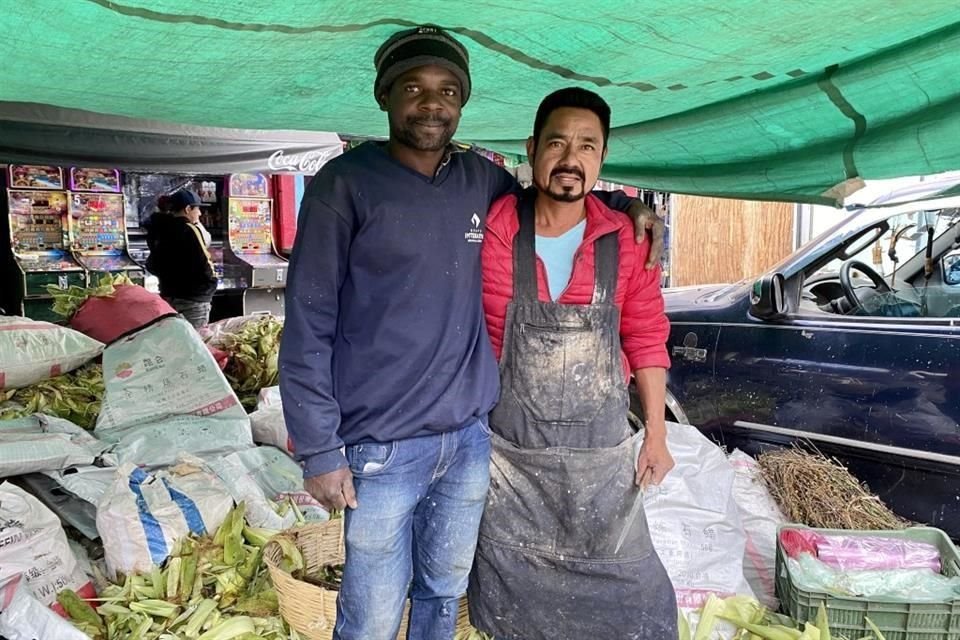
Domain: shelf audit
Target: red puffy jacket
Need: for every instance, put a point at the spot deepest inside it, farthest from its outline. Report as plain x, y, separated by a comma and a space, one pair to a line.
643, 326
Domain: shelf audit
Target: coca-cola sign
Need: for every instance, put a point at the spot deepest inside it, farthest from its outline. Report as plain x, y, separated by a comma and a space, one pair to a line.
306, 162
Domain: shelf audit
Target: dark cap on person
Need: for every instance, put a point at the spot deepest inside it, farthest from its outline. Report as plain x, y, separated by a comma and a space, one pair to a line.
420, 47
183, 199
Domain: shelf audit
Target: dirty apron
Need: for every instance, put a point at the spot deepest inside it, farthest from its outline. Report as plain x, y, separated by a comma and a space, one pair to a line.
562, 493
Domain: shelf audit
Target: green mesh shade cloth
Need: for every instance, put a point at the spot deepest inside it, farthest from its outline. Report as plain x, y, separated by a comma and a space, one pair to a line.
763, 99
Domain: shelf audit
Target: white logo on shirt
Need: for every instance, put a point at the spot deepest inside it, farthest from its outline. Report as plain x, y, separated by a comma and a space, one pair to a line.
475, 234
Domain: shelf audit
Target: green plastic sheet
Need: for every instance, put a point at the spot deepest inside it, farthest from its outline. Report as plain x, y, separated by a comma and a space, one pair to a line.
782, 100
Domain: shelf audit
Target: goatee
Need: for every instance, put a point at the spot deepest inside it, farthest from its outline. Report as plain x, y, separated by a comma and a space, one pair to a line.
413, 136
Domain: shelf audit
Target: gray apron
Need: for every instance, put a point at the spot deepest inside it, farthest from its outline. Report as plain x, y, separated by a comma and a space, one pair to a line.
562, 495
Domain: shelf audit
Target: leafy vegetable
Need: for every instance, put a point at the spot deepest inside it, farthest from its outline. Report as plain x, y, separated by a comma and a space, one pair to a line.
254, 352
66, 302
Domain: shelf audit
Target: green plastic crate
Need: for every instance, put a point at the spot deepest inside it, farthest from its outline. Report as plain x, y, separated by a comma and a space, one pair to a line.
897, 618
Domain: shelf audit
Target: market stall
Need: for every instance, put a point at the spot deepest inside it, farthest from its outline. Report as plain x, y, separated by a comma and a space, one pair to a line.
155, 457
104, 210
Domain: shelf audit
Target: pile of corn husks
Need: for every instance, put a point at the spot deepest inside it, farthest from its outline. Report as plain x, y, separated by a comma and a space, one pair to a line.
74, 396
751, 621
211, 588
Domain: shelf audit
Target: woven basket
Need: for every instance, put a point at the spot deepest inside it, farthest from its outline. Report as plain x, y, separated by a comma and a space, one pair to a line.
309, 609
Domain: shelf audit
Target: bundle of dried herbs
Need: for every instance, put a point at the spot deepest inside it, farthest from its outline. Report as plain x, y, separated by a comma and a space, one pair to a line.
820, 492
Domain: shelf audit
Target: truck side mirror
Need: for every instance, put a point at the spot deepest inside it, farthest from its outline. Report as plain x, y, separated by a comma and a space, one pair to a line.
767, 299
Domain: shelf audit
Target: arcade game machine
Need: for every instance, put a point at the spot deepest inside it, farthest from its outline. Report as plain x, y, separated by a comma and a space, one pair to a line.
250, 243
97, 224
143, 192
40, 240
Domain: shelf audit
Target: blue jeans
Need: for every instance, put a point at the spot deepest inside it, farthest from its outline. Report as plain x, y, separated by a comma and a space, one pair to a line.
414, 531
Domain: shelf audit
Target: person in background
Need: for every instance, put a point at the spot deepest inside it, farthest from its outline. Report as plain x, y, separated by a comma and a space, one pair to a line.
564, 549
386, 368
179, 257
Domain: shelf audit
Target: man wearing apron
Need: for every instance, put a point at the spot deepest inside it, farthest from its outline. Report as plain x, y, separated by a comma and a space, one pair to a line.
564, 549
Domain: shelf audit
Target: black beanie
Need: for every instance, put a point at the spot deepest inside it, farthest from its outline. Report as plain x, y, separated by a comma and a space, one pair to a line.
420, 47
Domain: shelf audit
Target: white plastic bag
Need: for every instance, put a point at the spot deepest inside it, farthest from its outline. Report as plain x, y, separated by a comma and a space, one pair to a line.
694, 523
31, 351
142, 515
269, 397
269, 427
44, 443
23, 617
165, 394
267, 422
761, 517
32, 543
916, 585
215, 332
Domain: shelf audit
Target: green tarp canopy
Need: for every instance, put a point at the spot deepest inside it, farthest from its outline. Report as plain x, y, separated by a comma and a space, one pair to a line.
792, 100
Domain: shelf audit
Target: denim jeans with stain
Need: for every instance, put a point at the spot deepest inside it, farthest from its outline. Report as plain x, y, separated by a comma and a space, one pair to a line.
413, 534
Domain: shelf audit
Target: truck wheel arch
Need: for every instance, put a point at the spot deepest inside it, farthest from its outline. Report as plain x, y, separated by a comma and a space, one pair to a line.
675, 412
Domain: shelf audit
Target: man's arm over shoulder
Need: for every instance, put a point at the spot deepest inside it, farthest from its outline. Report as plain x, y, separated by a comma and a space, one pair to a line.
500, 181
318, 267
647, 225
616, 200
644, 326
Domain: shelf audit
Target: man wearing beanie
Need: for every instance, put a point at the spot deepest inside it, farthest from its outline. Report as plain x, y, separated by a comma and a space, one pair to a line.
386, 369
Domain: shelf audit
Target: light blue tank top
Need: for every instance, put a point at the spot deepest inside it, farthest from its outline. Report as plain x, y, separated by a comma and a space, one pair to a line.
557, 255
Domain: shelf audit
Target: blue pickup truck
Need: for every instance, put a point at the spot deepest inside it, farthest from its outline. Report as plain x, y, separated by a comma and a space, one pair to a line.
851, 344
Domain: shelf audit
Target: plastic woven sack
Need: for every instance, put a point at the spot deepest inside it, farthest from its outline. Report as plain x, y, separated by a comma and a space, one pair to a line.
34, 545
262, 474
44, 443
108, 318
165, 394
23, 617
31, 351
694, 522
267, 422
142, 515
761, 517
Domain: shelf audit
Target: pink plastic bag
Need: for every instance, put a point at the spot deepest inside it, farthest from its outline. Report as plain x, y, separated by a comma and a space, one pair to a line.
797, 541
854, 553
861, 553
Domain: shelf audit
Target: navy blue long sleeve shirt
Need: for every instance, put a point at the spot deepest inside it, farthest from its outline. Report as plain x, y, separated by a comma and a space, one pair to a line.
384, 337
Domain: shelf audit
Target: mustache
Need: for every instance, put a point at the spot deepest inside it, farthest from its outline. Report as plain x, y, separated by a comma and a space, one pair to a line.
429, 120
575, 171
